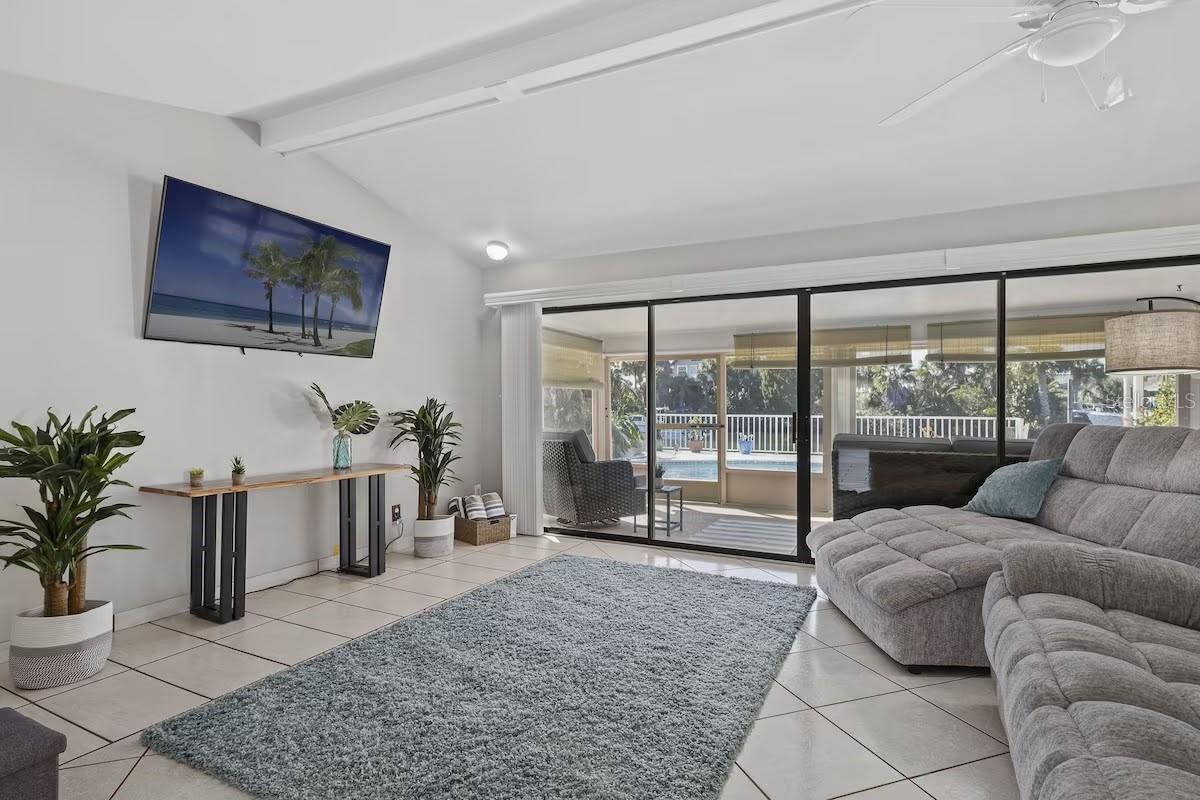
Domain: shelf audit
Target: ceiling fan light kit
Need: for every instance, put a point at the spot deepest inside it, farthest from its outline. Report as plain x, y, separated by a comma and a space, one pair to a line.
1075, 34
1066, 33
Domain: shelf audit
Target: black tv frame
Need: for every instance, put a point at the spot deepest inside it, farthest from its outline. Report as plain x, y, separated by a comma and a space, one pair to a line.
167, 179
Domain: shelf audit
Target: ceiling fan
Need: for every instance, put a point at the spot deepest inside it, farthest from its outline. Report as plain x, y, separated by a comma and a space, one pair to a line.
1063, 34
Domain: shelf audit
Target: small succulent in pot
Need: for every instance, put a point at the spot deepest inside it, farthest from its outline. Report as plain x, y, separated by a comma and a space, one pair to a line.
196, 476
238, 470
660, 472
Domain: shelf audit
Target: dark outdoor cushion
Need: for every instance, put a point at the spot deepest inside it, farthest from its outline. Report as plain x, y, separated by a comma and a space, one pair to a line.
892, 444
983, 444
579, 440
1015, 491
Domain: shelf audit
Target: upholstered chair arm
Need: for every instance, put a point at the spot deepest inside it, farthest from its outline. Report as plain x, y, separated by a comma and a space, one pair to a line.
1111, 579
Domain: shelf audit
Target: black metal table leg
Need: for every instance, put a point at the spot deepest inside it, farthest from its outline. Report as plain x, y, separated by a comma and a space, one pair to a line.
239, 563
197, 570
230, 551
376, 530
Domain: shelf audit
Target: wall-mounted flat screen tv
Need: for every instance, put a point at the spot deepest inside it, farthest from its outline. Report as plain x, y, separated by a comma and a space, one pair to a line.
231, 272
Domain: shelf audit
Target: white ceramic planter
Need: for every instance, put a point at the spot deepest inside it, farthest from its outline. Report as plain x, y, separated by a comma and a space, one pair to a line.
53, 651
433, 538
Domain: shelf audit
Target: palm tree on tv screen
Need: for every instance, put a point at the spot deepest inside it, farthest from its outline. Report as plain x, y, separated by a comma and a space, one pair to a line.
300, 278
323, 265
269, 264
344, 284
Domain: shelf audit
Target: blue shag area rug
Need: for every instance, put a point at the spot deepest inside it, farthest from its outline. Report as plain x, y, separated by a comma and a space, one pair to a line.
573, 679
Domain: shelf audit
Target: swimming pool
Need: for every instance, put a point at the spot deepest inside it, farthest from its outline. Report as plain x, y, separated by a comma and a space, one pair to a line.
704, 467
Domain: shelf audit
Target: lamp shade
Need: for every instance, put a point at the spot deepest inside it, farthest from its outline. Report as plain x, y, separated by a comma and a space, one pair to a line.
1152, 343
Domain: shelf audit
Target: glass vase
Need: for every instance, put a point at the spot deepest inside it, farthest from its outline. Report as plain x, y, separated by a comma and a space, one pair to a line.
342, 452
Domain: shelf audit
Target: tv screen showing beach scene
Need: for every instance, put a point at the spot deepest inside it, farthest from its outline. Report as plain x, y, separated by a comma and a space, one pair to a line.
231, 272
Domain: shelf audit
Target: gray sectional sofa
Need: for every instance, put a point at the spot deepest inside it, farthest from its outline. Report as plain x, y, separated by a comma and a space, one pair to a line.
913, 579
1097, 661
1089, 615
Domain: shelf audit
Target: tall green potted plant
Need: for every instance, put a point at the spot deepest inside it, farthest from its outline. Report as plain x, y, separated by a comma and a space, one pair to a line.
432, 429
73, 463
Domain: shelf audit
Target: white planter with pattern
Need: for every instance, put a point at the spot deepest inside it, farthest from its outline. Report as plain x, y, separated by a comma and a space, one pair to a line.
53, 651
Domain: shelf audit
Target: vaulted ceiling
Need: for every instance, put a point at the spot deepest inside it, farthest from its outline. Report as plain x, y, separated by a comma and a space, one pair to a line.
749, 136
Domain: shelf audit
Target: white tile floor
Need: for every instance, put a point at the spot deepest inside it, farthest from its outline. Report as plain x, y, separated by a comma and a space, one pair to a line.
841, 720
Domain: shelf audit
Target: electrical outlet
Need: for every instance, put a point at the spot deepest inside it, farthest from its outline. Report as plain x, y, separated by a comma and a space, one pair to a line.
396, 513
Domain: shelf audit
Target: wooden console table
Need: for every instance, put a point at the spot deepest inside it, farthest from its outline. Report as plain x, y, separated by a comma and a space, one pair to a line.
231, 515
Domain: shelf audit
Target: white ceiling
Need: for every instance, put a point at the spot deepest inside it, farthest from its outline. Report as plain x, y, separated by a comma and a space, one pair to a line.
778, 133
762, 135
240, 57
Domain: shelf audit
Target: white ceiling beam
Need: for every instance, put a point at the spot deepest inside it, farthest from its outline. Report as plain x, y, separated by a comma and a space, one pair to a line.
540, 59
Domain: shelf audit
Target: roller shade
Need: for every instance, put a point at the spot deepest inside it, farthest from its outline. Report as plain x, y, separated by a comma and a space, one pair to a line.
569, 359
763, 351
842, 347
862, 347
1060, 338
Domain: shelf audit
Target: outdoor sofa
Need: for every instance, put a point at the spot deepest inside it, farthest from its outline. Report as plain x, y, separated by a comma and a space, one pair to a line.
896, 471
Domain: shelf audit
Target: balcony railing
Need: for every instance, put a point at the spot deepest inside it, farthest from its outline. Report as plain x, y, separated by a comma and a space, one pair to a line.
772, 433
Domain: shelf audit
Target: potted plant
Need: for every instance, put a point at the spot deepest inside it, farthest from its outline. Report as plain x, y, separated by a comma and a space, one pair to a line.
355, 418
69, 637
745, 444
237, 471
695, 440
660, 471
196, 476
431, 428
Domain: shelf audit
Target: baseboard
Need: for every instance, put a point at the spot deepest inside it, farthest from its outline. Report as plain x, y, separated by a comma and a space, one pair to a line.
177, 605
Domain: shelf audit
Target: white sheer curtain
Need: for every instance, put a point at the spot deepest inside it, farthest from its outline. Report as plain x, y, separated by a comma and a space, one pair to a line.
521, 413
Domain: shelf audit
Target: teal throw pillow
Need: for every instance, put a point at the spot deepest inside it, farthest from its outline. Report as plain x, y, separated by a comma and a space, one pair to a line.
1016, 491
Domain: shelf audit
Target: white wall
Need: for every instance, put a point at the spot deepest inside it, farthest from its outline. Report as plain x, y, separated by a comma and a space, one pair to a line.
80, 175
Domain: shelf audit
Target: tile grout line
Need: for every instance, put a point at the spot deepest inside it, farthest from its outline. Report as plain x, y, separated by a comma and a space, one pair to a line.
104, 739
960, 719
138, 763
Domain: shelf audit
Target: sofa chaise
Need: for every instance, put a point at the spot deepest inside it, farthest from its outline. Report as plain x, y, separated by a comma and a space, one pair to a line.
913, 579
1096, 654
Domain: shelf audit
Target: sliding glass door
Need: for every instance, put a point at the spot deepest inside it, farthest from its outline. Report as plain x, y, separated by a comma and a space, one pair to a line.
904, 390
726, 399
907, 398
595, 419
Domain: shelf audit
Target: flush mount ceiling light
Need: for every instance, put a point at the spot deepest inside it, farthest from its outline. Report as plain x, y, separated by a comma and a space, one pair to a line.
1153, 342
496, 251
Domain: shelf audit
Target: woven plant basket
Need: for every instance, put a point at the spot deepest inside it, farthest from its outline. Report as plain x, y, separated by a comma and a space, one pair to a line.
482, 531
53, 651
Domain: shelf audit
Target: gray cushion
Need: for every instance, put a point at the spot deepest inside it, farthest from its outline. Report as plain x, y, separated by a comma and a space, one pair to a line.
898, 558
1015, 491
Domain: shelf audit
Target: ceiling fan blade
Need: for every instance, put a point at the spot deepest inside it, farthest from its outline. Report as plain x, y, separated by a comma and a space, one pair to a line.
958, 81
963, 11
